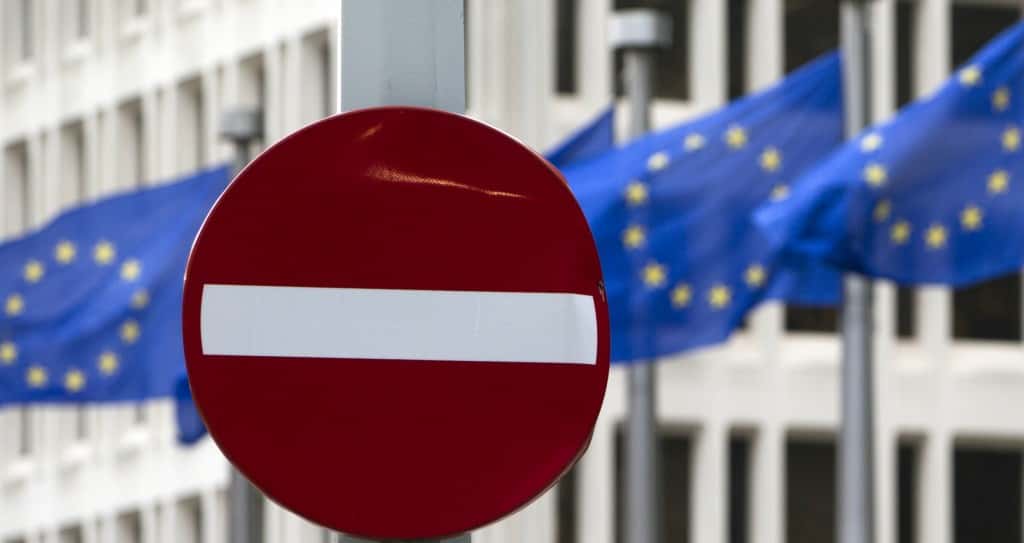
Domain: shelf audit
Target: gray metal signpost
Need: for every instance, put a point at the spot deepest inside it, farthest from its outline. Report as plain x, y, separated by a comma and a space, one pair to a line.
243, 127
639, 32
856, 475
396, 52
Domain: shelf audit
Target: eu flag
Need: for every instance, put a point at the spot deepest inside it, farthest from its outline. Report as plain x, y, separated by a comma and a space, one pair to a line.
92, 302
931, 196
671, 214
594, 138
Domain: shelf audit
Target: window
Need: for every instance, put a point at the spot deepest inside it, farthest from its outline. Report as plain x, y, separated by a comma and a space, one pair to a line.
132, 142
253, 90
73, 165
990, 310
77, 20
566, 15
129, 527
190, 523
71, 534
906, 492
20, 29
191, 132
812, 28
318, 72
566, 513
674, 463
906, 35
986, 496
810, 492
739, 489
738, 14
672, 67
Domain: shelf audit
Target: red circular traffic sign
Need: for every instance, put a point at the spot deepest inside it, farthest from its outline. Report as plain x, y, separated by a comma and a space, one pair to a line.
395, 326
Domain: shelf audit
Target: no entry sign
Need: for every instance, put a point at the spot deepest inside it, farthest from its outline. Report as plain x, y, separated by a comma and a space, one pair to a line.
395, 326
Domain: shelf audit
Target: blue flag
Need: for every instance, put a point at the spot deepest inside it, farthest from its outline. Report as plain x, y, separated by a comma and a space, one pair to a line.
92, 302
671, 214
934, 195
594, 138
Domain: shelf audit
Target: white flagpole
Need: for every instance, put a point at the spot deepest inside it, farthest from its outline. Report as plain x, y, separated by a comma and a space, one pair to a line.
856, 437
396, 52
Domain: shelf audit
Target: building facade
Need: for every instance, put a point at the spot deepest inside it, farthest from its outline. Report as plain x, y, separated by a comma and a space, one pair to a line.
99, 96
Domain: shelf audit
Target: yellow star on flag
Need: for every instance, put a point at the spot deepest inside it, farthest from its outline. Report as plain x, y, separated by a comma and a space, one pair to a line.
654, 274
755, 275
771, 159
634, 237
970, 76
103, 253
108, 363
64, 252
33, 271
140, 299
74, 381
882, 210
875, 174
900, 232
681, 295
736, 137
970, 218
36, 376
779, 193
935, 236
692, 142
636, 193
1001, 98
14, 305
998, 181
130, 269
1011, 139
8, 353
657, 161
719, 296
130, 331
871, 142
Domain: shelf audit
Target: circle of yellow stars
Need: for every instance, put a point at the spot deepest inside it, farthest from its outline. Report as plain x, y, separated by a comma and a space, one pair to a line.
104, 253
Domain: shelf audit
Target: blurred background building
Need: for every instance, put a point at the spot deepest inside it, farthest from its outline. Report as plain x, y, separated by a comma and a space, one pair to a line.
98, 96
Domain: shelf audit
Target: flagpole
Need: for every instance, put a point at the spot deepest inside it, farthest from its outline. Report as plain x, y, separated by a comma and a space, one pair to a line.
856, 474
638, 32
396, 52
242, 127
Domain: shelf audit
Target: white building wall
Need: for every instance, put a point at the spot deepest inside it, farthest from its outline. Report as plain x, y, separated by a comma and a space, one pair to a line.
137, 101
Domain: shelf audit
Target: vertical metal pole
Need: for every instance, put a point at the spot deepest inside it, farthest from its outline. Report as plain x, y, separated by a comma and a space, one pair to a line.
396, 52
245, 502
642, 504
639, 32
856, 475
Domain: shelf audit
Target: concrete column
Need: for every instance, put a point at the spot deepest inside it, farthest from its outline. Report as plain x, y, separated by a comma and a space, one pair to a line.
931, 51
710, 484
708, 52
593, 55
765, 42
168, 521
272, 125
291, 84
935, 506
596, 490
768, 471
538, 519
535, 71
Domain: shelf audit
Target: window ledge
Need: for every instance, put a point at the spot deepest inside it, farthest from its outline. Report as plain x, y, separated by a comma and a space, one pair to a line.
18, 472
21, 73
77, 51
133, 29
132, 443
190, 9
75, 457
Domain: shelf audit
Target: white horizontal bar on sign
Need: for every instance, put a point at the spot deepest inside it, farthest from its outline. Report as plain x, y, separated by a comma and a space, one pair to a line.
393, 324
